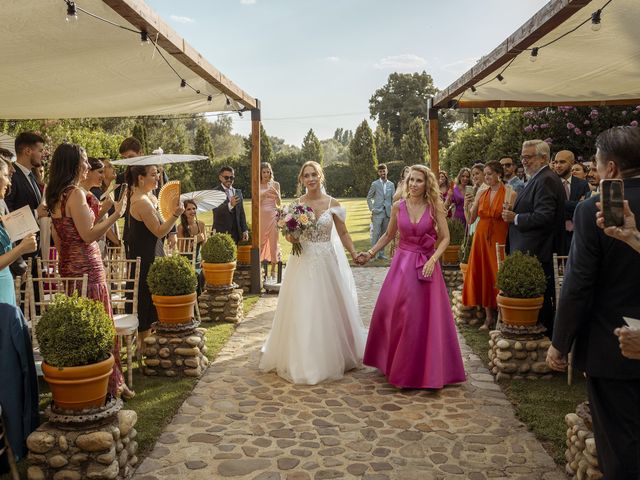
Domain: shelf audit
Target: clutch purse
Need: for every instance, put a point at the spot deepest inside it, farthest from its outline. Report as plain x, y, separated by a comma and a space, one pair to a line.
422, 277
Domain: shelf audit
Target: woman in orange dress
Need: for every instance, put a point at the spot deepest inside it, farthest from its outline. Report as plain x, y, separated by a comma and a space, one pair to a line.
480, 280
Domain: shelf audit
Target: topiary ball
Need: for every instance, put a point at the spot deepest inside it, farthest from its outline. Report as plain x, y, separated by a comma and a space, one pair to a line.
521, 276
219, 248
171, 276
75, 331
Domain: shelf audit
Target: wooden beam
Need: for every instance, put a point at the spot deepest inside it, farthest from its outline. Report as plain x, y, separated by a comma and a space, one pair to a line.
141, 16
256, 276
434, 151
544, 21
568, 103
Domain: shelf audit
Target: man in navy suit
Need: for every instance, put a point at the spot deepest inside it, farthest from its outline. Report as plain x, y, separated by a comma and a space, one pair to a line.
230, 217
575, 189
536, 223
600, 287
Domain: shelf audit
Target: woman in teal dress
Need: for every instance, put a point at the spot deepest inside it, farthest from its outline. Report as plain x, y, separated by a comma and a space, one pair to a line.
8, 255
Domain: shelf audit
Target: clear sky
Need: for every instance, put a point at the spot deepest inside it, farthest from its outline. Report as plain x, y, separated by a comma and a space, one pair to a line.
315, 63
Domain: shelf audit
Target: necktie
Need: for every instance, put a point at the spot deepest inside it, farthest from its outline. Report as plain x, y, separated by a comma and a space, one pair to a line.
568, 224
34, 184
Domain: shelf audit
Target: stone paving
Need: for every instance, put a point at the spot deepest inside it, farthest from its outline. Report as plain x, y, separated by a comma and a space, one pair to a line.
243, 424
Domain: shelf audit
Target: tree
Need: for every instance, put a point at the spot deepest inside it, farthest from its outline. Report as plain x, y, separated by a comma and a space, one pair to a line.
203, 172
311, 148
413, 146
363, 158
140, 132
266, 152
385, 149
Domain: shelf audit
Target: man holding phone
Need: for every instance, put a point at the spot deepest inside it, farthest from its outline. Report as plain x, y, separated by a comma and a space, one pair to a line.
600, 287
230, 217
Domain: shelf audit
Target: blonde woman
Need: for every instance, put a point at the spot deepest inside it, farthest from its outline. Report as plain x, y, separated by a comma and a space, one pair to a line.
317, 333
412, 337
269, 201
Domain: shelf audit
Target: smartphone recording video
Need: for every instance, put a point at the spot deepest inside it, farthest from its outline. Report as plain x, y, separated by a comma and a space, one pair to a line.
612, 201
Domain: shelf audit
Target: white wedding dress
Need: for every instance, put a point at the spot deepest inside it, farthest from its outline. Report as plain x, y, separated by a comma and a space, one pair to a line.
317, 333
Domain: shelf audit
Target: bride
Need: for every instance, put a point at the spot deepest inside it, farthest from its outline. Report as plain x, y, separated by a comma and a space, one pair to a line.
317, 333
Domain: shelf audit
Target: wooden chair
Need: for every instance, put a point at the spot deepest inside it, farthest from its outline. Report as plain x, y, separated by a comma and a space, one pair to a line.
500, 253
5, 449
123, 280
187, 247
559, 266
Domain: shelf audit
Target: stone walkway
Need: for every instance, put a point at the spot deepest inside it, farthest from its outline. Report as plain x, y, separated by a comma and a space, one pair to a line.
243, 424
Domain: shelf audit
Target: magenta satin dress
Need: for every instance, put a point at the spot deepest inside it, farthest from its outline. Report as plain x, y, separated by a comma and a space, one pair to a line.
412, 337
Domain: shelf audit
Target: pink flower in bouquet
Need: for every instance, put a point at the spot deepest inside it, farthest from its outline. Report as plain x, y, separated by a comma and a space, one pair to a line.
293, 220
577, 131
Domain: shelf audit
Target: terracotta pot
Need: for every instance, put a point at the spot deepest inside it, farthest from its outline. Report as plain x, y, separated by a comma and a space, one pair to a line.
451, 254
175, 309
76, 388
218, 274
463, 269
244, 254
519, 311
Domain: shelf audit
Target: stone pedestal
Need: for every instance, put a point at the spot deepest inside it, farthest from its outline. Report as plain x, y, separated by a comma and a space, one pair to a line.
175, 354
221, 304
519, 356
452, 277
466, 315
581, 455
104, 449
242, 277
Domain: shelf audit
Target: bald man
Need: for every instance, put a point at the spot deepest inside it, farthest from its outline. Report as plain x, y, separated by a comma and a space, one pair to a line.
575, 190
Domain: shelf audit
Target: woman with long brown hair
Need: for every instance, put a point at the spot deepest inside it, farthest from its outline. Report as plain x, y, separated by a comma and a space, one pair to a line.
75, 234
412, 337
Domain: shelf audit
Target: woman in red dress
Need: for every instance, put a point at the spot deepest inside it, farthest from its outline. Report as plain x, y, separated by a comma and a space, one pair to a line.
76, 235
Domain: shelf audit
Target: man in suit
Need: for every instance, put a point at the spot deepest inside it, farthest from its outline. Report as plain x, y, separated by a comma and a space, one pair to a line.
24, 188
536, 223
592, 175
379, 201
229, 217
575, 190
600, 287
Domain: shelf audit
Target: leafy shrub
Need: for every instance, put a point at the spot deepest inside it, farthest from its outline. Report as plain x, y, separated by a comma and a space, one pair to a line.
456, 231
75, 331
171, 276
219, 248
521, 276
465, 249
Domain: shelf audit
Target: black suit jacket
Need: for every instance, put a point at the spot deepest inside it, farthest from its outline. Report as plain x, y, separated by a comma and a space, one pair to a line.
600, 286
21, 193
579, 190
233, 222
540, 210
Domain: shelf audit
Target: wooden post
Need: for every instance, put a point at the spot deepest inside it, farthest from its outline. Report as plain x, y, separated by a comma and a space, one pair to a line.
256, 276
433, 139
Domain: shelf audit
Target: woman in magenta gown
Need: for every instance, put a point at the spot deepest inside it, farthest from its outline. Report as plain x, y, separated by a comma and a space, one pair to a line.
412, 338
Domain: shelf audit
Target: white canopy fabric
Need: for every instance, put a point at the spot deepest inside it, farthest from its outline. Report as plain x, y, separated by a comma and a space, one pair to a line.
8, 142
585, 66
52, 68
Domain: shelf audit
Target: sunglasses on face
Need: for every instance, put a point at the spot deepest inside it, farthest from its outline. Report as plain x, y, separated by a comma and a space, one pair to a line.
228, 177
507, 164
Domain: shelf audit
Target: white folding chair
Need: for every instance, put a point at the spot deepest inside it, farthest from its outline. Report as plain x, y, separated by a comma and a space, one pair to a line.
123, 280
559, 266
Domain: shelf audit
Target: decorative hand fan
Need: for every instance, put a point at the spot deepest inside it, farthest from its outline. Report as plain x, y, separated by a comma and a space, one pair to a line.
167, 199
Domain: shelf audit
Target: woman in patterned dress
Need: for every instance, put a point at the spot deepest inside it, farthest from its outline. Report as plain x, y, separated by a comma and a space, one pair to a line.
75, 235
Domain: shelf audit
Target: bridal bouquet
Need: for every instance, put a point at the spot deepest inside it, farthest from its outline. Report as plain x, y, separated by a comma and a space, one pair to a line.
293, 219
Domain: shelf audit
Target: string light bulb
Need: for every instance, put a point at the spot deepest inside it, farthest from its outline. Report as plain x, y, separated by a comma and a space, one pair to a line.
501, 79
209, 98
474, 90
144, 38
228, 101
534, 54
183, 85
72, 12
596, 19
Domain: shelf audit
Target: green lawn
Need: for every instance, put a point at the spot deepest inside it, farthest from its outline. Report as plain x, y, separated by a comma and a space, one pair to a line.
157, 399
540, 404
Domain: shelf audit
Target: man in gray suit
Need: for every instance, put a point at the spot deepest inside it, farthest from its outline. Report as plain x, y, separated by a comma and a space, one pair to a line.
379, 201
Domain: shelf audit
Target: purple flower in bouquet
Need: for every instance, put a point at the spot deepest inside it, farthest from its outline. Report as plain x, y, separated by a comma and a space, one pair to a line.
570, 126
293, 220
634, 123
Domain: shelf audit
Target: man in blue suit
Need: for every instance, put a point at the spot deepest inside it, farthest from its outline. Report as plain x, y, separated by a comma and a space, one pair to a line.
379, 201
